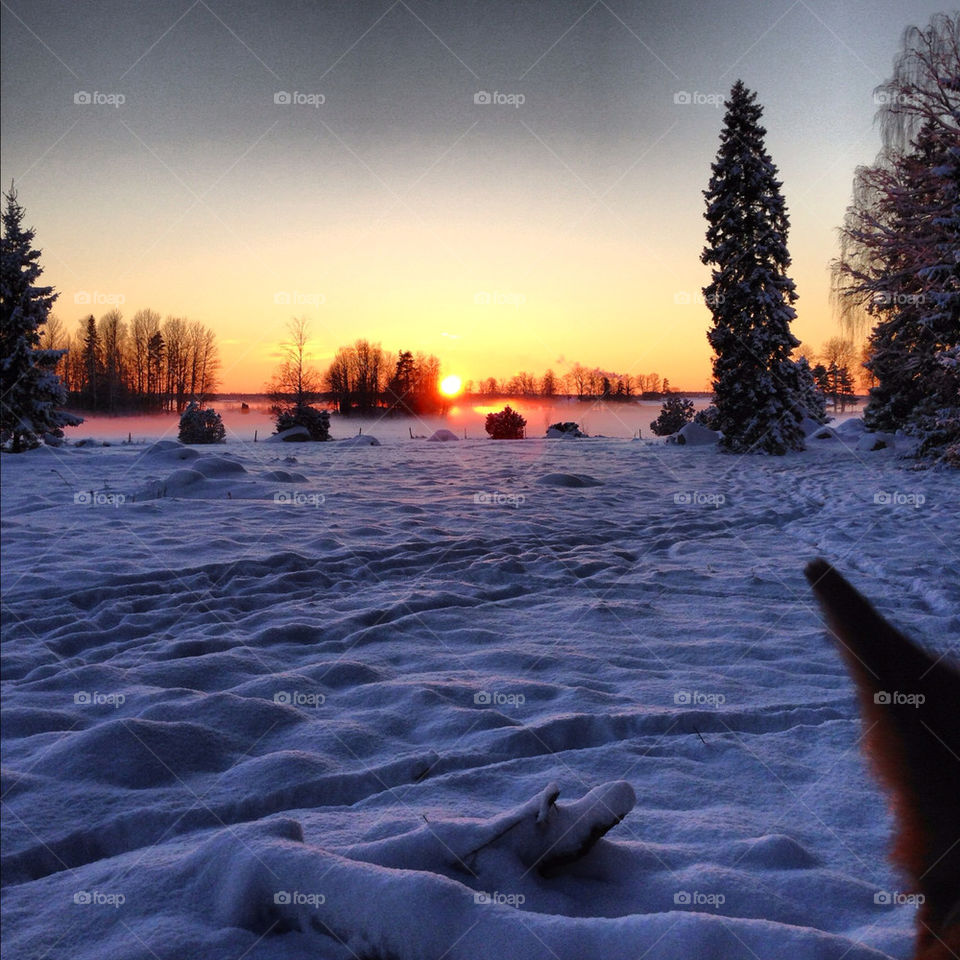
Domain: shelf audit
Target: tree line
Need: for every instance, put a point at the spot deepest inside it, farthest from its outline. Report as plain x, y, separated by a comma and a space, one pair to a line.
362, 378
584, 383
111, 365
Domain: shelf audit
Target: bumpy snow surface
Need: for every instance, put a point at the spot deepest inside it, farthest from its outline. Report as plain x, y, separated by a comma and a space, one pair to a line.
423, 700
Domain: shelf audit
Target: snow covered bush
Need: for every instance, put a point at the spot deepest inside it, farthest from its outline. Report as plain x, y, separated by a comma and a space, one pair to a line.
675, 413
201, 426
505, 425
707, 417
316, 422
566, 428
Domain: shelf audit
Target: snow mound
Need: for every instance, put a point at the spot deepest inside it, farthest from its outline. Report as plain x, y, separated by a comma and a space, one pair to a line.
569, 480
284, 476
442, 436
809, 426
168, 451
212, 467
293, 435
851, 428
142, 753
869, 442
179, 482
777, 852
696, 435
361, 440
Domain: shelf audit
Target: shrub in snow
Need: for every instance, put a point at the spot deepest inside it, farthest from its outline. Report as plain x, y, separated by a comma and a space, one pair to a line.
565, 429
750, 294
316, 422
505, 425
707, 417
675, 413
201, 426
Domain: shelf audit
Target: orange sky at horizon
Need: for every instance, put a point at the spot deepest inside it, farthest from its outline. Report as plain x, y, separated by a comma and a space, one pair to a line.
600, 300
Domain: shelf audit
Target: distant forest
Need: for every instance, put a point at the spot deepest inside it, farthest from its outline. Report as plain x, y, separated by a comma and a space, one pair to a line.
148, 365
363, 378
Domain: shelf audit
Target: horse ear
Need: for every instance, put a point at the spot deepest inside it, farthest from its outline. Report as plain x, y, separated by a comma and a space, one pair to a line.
910, 704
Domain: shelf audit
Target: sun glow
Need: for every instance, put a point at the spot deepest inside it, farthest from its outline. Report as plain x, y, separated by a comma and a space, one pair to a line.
450, 386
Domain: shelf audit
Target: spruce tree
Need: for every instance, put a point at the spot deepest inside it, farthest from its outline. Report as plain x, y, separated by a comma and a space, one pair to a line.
750, 295
92, 364
809, 396
31, 389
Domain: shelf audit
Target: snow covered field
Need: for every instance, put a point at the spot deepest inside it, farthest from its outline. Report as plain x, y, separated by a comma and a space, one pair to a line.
308, 701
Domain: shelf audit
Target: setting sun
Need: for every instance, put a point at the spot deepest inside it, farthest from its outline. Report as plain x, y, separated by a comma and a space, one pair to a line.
450, 386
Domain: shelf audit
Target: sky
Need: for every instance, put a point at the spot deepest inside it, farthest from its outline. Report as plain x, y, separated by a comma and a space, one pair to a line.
508, 185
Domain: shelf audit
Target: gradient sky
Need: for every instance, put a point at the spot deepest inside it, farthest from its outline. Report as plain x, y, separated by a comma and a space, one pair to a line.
391, 209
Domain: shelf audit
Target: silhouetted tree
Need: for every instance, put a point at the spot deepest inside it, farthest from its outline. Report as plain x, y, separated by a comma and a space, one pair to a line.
31, 393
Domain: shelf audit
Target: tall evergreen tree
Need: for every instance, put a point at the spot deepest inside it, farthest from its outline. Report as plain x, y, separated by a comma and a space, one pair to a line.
31, 390
750, 295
